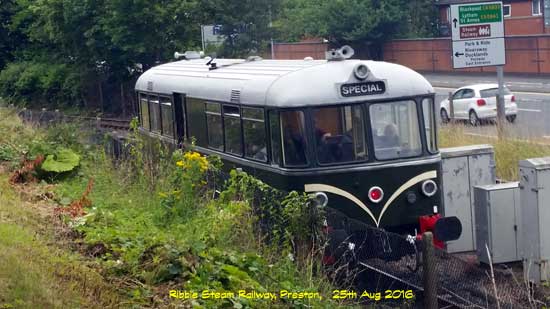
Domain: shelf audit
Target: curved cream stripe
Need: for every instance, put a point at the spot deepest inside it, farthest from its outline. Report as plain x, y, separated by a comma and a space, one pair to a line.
405, 186
326, 188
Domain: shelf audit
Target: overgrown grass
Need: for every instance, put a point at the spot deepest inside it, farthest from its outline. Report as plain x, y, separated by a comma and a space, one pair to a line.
156, 225
508, 151
36, 275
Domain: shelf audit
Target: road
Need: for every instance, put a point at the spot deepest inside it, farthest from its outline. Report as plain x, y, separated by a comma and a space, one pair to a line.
533, 104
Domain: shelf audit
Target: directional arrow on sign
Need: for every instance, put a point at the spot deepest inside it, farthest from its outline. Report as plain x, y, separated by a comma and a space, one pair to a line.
457, 54
455, 21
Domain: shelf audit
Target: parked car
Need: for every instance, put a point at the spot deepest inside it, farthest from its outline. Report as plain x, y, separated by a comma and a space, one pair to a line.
478, 102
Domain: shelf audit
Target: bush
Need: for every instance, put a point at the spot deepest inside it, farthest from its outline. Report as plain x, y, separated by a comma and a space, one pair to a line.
37, 83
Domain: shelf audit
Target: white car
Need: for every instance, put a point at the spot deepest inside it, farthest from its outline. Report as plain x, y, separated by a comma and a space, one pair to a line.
476, 102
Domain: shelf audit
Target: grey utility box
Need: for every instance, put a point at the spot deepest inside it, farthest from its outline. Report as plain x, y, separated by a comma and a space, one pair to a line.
464, 168
498, 222
535, 200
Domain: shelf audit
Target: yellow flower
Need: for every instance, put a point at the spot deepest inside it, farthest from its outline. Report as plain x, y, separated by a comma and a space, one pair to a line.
180, 163
163, 195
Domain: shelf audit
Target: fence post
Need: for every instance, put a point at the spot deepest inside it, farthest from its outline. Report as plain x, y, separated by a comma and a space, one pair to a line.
429, 272
451, 107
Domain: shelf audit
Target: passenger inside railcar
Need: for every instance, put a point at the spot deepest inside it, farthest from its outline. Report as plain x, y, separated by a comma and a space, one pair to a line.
339, 134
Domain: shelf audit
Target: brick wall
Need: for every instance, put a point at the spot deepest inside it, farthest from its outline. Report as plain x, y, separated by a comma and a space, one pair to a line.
300, 50
524, 54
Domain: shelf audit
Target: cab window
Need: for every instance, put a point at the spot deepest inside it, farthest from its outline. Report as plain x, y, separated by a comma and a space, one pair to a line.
339, 134
395, 130
294, 138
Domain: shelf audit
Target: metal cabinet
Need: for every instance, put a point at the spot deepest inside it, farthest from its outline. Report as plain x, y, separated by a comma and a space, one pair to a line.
464, 168
498, 222
535, 199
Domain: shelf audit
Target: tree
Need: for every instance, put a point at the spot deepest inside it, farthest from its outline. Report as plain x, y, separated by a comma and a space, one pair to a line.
100, 46
364, 24
246, 24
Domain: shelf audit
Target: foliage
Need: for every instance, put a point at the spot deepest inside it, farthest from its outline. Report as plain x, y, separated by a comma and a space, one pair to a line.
508, 151
182, 233
245, 24
364, 24
64, 160
37, 274
40, 83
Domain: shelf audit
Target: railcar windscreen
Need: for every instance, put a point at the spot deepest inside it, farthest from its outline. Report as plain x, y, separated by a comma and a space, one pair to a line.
339, 134
395, 130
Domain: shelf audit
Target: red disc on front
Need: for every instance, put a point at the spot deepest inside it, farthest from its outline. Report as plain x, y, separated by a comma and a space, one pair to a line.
375, 194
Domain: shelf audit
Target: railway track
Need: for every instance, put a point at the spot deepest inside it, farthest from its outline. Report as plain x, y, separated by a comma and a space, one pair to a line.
114, 123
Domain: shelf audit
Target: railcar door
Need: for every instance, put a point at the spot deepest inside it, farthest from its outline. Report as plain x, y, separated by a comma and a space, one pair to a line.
181, 123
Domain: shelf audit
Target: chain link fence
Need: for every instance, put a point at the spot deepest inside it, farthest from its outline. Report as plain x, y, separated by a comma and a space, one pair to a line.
391, 261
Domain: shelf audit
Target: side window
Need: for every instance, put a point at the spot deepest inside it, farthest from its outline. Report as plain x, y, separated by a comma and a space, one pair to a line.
232, 126
214, 126
339, 134
429, 124
458, 95
254, 134
155, 113
167, 116
196, 121
144, 109
468, 93
294, 138
275, 129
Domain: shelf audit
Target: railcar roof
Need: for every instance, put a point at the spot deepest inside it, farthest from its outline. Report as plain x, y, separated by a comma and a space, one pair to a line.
281, 83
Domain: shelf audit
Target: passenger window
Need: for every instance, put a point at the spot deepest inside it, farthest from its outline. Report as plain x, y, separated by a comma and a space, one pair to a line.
167, 116
339, 134
254, 134
275, 129
144, 108
429, 124
232, 123
214, 126
396, 133
458, 95
155, 114
468, 93
196, 121
294, 138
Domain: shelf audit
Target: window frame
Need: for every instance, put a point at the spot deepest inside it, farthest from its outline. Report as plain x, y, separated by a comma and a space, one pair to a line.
433, 127
146, 95
172, 124
361, 106
305, 112
509, 6
266, 139
421, 138
539, 8
212, 113
224, 131
468, 90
